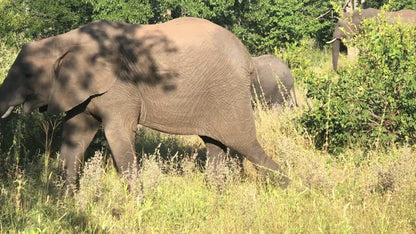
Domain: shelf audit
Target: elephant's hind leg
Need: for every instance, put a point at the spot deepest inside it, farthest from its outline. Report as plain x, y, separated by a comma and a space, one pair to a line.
264, 164
215, 165
216, 151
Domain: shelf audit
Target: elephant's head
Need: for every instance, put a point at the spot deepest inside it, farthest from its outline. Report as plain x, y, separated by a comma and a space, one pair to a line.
346, 28
58, 73
28, 82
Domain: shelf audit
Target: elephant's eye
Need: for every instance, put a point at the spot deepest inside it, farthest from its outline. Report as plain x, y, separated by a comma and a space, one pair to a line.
27, 74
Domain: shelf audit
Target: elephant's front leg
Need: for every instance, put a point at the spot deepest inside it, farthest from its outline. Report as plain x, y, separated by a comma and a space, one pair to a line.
120, 133
78, 133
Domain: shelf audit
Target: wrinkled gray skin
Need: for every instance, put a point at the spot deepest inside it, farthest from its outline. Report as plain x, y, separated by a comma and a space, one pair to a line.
348, 27
186, 76
274, 81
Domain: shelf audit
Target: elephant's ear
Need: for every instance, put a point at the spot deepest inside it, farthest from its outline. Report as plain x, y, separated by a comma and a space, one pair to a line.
77, 78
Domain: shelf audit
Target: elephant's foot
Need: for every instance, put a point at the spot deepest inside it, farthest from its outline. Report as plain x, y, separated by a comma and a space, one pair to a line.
273, 177
216, 176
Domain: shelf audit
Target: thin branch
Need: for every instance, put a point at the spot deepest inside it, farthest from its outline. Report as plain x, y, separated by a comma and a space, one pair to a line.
346, 4
324, 14
375, 116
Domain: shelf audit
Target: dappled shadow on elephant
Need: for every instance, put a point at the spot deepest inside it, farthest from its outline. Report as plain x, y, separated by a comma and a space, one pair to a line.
187, 76
132, 58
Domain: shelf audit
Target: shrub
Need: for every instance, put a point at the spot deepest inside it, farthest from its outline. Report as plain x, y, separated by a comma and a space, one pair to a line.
372, 103
267, 24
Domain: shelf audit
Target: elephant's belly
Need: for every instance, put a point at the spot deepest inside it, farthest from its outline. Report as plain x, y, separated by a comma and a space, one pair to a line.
174, 124
185, 116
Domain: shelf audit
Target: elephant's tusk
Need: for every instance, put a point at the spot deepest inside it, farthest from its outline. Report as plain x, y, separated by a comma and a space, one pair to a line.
8, 112
331, 41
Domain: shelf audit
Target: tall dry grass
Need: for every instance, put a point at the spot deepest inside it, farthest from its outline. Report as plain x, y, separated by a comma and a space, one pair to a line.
356, 191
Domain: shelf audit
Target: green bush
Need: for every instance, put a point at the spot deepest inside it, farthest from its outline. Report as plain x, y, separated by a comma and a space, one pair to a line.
261, 24
267, 24
26, 20
128, 11
372, 102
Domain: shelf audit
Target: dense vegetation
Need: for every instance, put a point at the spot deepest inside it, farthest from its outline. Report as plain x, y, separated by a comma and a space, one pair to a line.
260, 24
349, 147
372, 102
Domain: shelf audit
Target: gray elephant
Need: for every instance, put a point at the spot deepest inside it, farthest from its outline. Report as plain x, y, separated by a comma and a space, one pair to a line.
350, 24
274, 81
186, 76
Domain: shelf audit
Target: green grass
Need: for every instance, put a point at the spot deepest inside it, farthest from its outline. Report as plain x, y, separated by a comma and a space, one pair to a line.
357, 191
7, 56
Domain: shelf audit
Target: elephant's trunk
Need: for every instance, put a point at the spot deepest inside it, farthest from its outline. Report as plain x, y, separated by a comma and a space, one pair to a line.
335, 53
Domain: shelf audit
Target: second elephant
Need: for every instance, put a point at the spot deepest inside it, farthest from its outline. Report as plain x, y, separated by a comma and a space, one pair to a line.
350, 25
274, 81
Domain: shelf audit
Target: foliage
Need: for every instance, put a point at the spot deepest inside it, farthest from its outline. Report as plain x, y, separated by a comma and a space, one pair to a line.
128, 11
262, 25
372, 102
25, 20
290, 54
269, 24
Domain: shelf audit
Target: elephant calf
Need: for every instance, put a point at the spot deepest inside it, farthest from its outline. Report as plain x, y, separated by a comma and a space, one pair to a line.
186, 76
274, 81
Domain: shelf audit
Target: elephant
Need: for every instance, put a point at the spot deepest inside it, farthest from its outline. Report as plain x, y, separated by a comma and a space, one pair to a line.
186, 76
274, 81
350, 25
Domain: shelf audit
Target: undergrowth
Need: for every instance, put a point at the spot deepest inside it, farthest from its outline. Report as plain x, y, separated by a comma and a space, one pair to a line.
357, 191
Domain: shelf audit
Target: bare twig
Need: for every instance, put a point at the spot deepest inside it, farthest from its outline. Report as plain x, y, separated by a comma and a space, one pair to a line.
324, 14
374, 115
346, 4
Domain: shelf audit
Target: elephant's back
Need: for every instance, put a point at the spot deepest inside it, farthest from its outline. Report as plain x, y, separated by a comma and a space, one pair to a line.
274, 78
406, 16
199, 36
270, 66
209, 76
